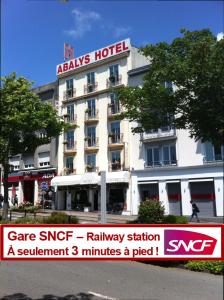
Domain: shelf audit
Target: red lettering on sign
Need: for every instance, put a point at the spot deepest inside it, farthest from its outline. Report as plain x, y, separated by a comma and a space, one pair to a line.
65, 67
87, 59
71, 65
111, 49
118, 48
105, 52
97, 55
59, 70
124, 46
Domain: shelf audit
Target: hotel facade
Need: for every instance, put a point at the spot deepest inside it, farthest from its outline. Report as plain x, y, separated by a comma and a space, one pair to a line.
165, 163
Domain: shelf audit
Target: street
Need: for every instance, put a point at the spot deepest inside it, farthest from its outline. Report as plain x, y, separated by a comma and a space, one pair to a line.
92, 280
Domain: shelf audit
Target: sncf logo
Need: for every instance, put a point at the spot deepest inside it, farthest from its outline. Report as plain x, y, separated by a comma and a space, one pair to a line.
183, 242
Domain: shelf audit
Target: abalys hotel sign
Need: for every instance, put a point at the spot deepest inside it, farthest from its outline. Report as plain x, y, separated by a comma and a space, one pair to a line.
93, 57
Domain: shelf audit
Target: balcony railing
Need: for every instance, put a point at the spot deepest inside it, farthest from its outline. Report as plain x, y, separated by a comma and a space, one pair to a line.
69, 146
90, 87
91, 142
115, 138
68, 171
69, 94
115, 166
114, 80
217, 158
161, 163
114, 109
90, 168
159, 134
70, 120
91, 115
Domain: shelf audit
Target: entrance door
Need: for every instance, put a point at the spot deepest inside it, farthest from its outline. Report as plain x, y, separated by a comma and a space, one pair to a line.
28, 191
95, 200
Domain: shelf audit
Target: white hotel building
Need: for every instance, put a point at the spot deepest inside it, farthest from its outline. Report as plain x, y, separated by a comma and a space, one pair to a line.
165, 164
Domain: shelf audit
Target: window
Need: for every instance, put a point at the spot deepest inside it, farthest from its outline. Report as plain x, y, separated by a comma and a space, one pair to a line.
28, 166
44, 159
91, 159
114, 74
69, 164
169, 155
90, 82
69, 88
28, 162
91, 136
91, 108
213, 153
16, 167
70, 112
14, 162
114, 103
70, 139
115, 160
153, 156
115, 132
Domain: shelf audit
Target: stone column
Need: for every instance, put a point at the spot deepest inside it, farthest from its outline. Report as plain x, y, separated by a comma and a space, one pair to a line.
163, 197
185, 197
218, 187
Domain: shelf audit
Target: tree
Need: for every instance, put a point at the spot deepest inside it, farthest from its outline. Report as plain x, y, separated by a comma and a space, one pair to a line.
193, 63
23, 118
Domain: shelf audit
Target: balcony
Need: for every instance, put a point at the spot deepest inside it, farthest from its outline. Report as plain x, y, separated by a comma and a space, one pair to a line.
114, 81
91, 144
114, 110
90, 88
69, 147
160, 134
215, 159
115, 140
69, 94
162, 163
115, 166
91, 116
69, 171
70, 120
90, 168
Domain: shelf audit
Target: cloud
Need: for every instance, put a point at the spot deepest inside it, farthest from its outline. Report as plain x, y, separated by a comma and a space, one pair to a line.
83, 22
121, 31
220, 36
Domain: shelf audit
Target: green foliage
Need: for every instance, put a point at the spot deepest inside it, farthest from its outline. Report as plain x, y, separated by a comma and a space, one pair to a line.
26, 206
171, 219
60, 218
26, 220
23, 118
212, 266
150, 212
194, 64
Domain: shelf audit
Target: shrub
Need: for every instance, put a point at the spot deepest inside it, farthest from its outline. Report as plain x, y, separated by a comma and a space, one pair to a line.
26, 220
60, 218
150, 212
212, 266
171, 219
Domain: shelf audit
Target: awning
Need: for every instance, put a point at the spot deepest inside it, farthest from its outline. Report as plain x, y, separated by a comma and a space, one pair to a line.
147, 182
117, 177
201, 180
89, 178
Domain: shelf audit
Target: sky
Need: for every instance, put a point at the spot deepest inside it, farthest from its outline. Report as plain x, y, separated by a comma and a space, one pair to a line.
33, 32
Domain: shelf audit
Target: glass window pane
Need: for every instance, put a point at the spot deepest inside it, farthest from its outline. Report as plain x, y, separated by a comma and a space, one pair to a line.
209, 151
149, 157
173, 156
156, 156
166, 155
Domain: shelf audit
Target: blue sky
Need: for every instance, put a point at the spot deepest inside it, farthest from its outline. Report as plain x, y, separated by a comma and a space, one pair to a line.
33, 31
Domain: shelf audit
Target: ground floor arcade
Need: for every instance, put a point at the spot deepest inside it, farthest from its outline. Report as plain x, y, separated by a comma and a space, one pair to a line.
176, 187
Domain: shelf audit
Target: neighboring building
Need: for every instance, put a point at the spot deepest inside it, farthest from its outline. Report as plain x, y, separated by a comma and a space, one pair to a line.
170, 166
34, 171
101, 141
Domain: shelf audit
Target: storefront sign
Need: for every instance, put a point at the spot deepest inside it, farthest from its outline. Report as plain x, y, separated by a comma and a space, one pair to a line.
114, 242
93, 57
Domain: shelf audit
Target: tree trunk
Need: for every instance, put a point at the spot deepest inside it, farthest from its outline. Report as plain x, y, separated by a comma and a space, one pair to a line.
6, 193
